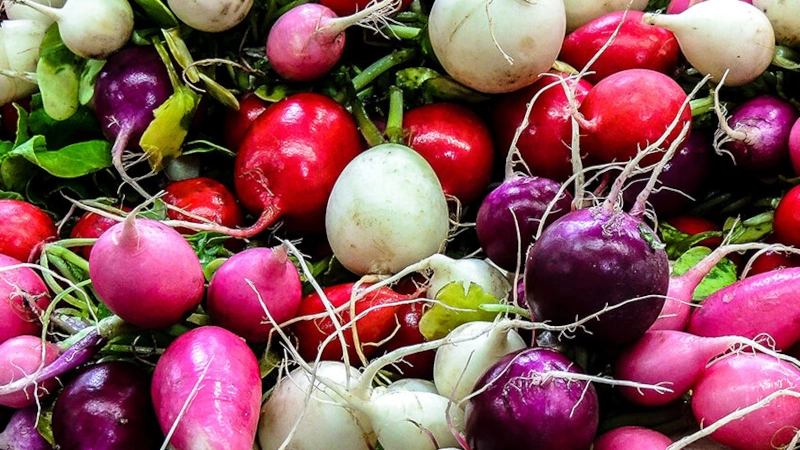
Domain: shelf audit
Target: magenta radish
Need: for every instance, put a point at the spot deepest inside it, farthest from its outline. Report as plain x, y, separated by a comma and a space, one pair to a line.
757, 134
146, 273
527, 400
580, 12
308, 40
636, 437
736, 382
247, 283
785, 20
21, 356
24, 228
515, 41
206, 390
211, 16
21, 433
509, 217
794, 146
20, 287
402, 219
742, 44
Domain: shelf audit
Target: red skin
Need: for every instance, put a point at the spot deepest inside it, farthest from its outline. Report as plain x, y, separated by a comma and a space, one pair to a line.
696, 225
456, 143
636, 46
542, 142
24, 228
91, 226
290, 159
418, 365
346, 7
237, 122
786, 223
18, 286
769, 261
629, 109
376, 326
206, 198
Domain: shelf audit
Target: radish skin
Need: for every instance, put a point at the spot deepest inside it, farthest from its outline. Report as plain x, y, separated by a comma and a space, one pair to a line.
785, 18
466, 271
21, 356
580, 12
16, 11
211, 16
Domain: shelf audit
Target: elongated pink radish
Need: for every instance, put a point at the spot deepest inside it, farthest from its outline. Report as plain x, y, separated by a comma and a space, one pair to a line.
206, 391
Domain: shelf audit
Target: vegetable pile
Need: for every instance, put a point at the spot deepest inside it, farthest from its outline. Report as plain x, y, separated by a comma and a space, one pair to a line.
399, 224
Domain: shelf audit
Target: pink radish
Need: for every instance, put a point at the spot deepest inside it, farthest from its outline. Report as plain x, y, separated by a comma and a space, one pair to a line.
629, 437
19, 287
21, 356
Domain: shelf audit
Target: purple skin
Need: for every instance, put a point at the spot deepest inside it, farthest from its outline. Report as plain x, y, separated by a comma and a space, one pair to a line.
685, 172
522, 409
106, 406
21, 434
528, 198
794, 147
591, 258
761, 139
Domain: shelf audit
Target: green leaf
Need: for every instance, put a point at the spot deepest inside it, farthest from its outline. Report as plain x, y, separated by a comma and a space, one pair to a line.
58, 73
15, 174
751, 230
22, 126
723, 274
11, 195
163, 138
157, 12
89, 75
72, 161
457, 308
81, 126
678, 242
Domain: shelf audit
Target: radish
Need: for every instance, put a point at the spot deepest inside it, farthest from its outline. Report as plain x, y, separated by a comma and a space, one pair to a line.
580, 12
206, 391
205, 198
347, 7
785, 20
91, 226
418, 365
515, 41
24, 228
16, 11
20, 287
145, 247
308, 40
247, 283
92, 29
21, 433
238, 121
635, 46
743, 43
211, 16
400, 220
21, 40
21, 356
632, 437
465, 271
794, 146
786, 221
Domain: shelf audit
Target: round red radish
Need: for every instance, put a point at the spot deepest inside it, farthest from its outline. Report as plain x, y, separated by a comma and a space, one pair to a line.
238, 121
636, 46
18, 288
786, 222
769, 261
629, 110
204, 197
290, 159
418, 365
21, 356
544, 143
456, 143
24, 227
347, 7
92, 226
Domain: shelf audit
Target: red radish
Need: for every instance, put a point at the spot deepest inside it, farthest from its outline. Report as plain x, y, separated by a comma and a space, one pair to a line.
695, 225
91, 226
290, 159
786, 222
770, 260
20, 287
636, 46
794, 146
629, 110
204, 197
738, 381
630, 436
308, 40
375, 325
146, 273
24, 227
238, 121
418, 365
456, 143
543, 142
347, 7
21, 356
206, 391
236, 305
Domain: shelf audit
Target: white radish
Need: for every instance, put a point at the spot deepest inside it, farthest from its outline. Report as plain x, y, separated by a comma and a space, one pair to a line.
720, 35
16, 11
92, 29
211, 16
413, 384
458, 366
497, 46
580, 12
785, 18
386, 211
22, 39
447, 270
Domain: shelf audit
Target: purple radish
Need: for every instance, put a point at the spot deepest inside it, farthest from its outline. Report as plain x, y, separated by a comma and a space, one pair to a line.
236, 306
19, 286
527, 400
515, 208
308, 40
629, 437
106, 406
206, 391
146, 273
757, 133
21, 432
21, 356
794, 146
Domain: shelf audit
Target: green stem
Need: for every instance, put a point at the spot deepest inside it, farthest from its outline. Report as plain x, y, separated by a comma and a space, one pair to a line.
182, 55
403, 31
501, 308
394, 122
368, 129
380, 66
701, 106
61, 251
109, 327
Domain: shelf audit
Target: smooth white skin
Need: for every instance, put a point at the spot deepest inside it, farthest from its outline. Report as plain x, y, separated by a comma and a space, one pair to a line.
497, 46
326, 420
16, 11
8, 85
211, 16
386, 211
22, 39
720, 35
447, 270
580, 12
457, 367
785, 18
413, 384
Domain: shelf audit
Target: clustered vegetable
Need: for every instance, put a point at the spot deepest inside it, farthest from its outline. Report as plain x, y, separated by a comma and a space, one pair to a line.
399, 224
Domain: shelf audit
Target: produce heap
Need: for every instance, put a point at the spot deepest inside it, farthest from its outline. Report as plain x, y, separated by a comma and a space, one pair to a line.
274, 224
